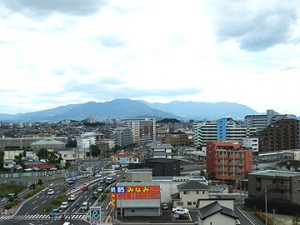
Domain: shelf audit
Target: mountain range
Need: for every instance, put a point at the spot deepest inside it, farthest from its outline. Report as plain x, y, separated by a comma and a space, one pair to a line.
127, 108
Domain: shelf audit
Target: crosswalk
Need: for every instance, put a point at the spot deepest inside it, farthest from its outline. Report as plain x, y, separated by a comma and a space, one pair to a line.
41, 217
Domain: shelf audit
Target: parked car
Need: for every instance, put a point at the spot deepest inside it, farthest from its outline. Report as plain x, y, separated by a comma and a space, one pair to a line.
165, 206
72, 198
85, 206
64, 205
181, 211
54, 213
174, 208
50, 191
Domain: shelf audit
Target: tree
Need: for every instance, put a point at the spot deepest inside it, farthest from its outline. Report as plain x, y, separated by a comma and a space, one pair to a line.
95, 151
42, 153
1, 160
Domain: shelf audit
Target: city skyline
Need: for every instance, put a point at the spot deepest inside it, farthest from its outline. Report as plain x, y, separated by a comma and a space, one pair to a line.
63, 52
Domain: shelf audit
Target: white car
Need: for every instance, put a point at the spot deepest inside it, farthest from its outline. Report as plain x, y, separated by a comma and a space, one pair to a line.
72, 198
85, 206
64, 205
181, 211
50, 192
174, 208
100, 189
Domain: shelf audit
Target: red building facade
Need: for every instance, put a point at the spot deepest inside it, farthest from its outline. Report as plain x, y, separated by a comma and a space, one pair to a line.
228, 161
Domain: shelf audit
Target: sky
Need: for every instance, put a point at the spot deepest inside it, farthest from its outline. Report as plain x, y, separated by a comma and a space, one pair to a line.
60, 52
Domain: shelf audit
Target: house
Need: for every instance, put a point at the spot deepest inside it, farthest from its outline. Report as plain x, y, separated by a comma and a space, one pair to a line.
216, 212
189, 193
125, 158
9, 164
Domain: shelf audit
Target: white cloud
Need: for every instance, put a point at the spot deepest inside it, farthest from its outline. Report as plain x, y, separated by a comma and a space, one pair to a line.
64, 53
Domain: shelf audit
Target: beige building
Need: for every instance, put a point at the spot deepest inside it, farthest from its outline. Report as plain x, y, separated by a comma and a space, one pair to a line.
10, 154
138, 175
189, 193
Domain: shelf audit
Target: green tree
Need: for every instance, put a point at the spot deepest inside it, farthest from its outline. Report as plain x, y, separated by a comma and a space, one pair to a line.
42, 153
95, 151
1, 159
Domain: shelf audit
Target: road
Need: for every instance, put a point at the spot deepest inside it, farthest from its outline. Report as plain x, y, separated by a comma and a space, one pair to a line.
32, 210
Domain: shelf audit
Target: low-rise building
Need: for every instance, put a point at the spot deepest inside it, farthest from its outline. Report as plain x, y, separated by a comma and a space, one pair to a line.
136, 198
279, 185
189, 193
213, 211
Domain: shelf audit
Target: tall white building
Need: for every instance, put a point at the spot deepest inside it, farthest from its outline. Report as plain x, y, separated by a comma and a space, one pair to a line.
221, 130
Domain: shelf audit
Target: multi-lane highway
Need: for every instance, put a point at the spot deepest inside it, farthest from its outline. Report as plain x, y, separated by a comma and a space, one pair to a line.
32, 210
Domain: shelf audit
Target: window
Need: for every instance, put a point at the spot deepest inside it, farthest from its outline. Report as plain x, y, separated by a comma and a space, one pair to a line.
197, 192
189, 203
186, 192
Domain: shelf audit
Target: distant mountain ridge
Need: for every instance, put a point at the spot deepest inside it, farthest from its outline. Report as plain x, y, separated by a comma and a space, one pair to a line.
126, 108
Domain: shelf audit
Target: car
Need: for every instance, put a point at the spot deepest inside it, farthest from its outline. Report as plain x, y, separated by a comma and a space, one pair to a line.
200, 163
181, 211
85, 188
67, 223
165, 206
72, 198
54, 213
85, 206
50, 191
100, 189
95, 195
71, 181
98, 175
64, 205
174, 208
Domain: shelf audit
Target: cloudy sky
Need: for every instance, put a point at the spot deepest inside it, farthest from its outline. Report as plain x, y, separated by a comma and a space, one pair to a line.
60, 52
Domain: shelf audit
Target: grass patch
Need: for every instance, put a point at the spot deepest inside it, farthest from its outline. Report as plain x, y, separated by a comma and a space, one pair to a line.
54, 204
5, 189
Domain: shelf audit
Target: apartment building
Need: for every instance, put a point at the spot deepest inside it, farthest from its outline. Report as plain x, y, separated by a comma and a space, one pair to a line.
279, 185
221, 130
228, 161
122, 136
143, 130
263, 121
281, 135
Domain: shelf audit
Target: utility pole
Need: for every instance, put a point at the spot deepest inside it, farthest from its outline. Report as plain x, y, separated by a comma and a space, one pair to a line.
266, 205
70, 208
273, 216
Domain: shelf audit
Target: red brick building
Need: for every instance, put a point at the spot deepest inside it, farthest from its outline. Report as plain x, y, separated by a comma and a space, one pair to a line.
228, 161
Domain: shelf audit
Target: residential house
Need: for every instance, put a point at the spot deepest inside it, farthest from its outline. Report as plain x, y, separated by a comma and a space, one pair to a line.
189, 193
213, 211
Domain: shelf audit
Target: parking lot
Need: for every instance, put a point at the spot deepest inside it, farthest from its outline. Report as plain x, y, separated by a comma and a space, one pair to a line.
166, 217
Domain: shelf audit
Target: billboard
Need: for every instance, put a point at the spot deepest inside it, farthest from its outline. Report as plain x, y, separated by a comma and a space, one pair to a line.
142, 192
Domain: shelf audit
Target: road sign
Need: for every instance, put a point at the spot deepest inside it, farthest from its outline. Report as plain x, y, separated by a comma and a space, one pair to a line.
95, 215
